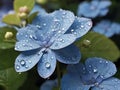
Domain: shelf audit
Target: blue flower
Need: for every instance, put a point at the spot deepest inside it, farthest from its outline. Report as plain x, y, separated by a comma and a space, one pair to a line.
48, 39
49, 85
96, 74
107, 28
38, 8
94, 8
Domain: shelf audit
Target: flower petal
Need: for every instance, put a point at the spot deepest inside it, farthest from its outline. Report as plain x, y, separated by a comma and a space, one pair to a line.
88, 10
68, 55
26, 60
104, 4
25, 45
56, 23
26, 33
108, 84
100, 67
103, 12
70, 82
76, 69
80, 70
47, 64
49, 85
80, 26
63, 41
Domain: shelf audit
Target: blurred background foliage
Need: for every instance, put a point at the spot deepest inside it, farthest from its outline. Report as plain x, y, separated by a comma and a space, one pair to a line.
10, 80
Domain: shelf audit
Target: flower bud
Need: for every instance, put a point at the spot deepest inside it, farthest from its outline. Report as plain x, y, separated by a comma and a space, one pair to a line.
24, 9
86, 42
22, 15
8, 35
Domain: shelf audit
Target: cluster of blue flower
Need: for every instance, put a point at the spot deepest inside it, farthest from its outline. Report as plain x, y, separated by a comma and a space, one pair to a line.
99, 8
50, 37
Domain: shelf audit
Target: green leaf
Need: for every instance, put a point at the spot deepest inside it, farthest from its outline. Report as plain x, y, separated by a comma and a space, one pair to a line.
11, 80
30, 83
98, 45
7, 58
31, 17
12, 19
4, 43
22, 3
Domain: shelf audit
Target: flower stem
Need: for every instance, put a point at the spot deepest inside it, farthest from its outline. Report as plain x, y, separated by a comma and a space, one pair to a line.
58, 74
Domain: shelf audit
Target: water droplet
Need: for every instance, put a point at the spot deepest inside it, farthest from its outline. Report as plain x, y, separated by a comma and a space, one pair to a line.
31, 36
38, 26
47, 65
26, 36
59, 31
94, 70
82, 26
52, 57
22, 62
30, 61
44, 24
26, 66
17, 67
100, 61
89, 23
96, 84
72, 30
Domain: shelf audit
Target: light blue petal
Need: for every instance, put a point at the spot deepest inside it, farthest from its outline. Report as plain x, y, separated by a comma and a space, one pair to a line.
39, 9
68, 55
82, 6
47, 64
72, 82
100, 67
88, 10
80, 26
77, 69
103, 12
26, 60
108, 84
54, 24
102, 27
115, 28
25, 45
26, 33
104, 4
63, 41
80, 70
49, 85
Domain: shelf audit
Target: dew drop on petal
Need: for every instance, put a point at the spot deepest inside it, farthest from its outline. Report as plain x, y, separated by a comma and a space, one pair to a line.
26, 66
94, 70
47, 65
38, 26
30, 61
17, 67
22, 62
